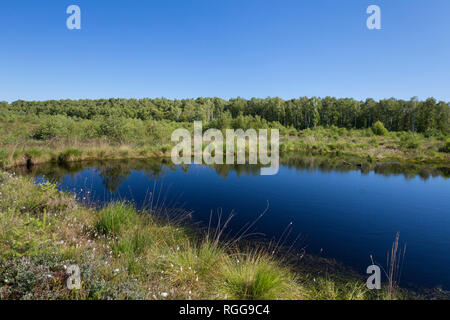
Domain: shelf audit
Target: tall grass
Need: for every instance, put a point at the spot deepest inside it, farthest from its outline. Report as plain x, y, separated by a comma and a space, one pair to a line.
256, 276
115, 218
395, 261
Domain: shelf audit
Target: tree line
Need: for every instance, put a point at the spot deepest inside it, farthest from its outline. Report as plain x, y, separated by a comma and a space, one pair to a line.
428, 116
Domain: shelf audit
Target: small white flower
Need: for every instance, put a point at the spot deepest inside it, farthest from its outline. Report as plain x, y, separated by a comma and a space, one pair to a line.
164, 294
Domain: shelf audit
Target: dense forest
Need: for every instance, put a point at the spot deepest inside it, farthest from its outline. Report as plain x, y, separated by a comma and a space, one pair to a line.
429, 117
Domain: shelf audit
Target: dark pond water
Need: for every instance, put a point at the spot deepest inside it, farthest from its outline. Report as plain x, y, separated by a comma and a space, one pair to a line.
338, 210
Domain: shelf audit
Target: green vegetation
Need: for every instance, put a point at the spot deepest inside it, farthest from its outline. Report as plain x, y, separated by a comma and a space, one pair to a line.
257, 277
379, 129
66, 130
446, 147
428, 116
125, 254
113, 219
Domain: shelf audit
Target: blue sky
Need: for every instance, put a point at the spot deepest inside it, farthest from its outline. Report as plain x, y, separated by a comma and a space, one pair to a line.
224, 48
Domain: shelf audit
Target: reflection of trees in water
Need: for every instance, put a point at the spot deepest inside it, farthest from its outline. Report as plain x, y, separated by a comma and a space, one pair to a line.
113, 172
326, 164
113, 176
52, 172
225, 169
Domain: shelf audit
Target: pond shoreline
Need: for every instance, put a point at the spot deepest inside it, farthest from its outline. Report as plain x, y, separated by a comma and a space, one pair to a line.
86, 237
313, 276
354, 160
310, 269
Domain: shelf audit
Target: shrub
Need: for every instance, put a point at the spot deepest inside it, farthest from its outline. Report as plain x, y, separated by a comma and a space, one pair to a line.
52, 127
343, 132
446, 147
410, 141
431, 132
411, 144
121, 129
379, 129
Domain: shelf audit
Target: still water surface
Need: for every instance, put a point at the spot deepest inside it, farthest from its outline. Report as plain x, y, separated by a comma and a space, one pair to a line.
341, 212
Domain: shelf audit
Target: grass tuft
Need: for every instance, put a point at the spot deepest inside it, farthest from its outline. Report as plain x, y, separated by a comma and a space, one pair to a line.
115, 218
257, 277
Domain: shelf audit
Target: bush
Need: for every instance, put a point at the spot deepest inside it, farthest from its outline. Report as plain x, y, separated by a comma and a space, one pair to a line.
52, 127
410, 141
411, 144
446, 147
379, 129
430, 132
114, 128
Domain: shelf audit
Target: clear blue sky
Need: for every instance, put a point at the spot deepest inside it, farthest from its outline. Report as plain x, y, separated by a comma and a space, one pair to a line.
224, 48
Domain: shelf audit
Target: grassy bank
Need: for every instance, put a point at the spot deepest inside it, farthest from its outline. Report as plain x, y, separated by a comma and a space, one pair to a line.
40, 142
125, 254
370, 144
